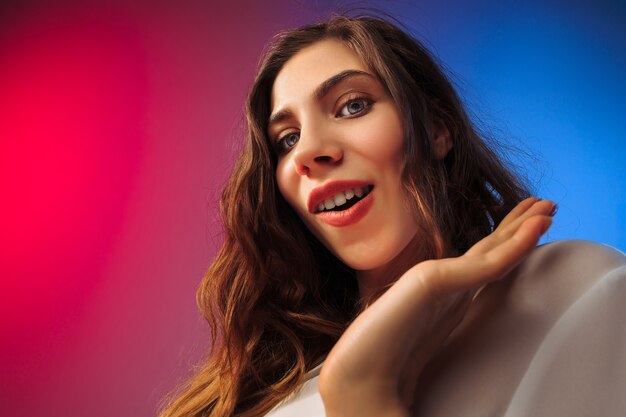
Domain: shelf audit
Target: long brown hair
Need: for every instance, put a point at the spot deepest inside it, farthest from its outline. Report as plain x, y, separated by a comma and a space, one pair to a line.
275, 298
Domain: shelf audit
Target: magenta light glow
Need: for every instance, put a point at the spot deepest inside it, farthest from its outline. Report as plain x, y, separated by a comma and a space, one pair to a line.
73, 92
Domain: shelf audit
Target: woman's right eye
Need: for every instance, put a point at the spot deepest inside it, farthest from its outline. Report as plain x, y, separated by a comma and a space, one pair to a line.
287, 141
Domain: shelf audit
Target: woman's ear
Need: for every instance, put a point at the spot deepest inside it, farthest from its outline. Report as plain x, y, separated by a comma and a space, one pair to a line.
442, 142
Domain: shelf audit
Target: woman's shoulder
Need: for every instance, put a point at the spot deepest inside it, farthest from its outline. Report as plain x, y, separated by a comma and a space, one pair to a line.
558, 273
543, 341
580, 257
579, 251
579, 366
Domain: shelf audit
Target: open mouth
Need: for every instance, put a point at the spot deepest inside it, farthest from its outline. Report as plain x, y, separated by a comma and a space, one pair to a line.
343, 200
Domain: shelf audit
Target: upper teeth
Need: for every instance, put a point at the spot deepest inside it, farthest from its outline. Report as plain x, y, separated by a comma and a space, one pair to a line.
342, 197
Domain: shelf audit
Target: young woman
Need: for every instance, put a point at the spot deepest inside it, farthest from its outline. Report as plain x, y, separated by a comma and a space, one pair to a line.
379, 258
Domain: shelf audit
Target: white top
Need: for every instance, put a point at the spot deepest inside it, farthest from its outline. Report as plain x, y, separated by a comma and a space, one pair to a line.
549, 340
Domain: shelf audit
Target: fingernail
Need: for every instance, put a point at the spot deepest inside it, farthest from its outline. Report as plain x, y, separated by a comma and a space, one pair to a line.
555, 208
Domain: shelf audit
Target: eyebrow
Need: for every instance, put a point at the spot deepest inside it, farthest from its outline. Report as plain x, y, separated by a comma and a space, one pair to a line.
320, 92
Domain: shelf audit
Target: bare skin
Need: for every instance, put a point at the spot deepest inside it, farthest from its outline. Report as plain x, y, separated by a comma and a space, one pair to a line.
374, 367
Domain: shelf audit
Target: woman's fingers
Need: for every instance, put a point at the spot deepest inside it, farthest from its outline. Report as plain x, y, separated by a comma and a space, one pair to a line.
541, 207
509, 225
518, 210
472, 271
492, 239
510, 252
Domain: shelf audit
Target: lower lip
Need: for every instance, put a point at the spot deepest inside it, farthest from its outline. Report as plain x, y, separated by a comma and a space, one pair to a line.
350, 216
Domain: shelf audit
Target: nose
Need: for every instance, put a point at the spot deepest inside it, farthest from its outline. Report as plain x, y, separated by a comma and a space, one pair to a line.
316, 151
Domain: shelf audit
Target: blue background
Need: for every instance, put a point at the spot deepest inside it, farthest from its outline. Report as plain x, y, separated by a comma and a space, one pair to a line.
549, 78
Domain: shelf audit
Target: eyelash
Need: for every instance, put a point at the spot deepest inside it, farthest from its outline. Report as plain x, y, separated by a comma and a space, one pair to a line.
367, 103
281, 146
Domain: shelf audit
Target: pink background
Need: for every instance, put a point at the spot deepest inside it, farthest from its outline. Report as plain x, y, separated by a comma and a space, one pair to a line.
117, 124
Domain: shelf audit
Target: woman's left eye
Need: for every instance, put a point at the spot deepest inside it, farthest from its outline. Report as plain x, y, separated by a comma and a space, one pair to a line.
354, 107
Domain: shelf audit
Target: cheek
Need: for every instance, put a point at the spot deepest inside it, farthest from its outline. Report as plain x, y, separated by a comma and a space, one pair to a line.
383, 140
287, 181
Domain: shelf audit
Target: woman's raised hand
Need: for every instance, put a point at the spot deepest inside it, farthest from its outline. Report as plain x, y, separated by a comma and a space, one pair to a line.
374, 367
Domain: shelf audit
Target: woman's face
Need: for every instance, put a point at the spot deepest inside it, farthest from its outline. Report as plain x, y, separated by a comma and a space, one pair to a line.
339, 138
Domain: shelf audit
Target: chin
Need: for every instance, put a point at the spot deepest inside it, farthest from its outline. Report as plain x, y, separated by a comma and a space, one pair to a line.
366, 263
380, 256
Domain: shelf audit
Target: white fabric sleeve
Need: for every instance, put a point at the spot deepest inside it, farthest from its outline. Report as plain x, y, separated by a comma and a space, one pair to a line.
580, 367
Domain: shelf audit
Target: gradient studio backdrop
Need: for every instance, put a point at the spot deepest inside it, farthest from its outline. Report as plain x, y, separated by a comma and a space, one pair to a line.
117, 128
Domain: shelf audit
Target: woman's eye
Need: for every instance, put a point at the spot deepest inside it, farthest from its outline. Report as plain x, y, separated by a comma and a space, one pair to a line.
288, 141
354, 107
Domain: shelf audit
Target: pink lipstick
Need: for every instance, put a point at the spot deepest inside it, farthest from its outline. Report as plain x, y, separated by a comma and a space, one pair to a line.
349, 216
327, 195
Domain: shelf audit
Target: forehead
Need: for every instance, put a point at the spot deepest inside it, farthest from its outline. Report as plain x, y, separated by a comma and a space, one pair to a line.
311, 66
